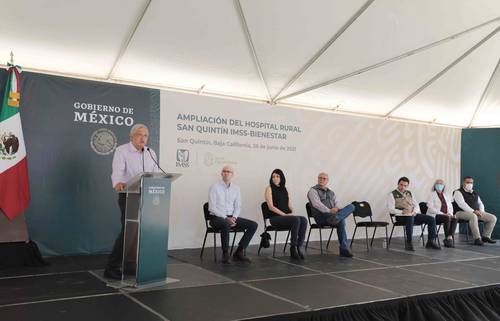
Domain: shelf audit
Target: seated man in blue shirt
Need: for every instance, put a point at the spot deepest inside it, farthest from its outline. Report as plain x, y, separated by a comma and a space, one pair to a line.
224, 205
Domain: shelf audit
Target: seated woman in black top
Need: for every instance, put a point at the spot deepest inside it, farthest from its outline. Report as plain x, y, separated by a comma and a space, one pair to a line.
280, 209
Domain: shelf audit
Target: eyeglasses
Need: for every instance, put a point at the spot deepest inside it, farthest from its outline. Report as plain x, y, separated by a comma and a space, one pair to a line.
226, 171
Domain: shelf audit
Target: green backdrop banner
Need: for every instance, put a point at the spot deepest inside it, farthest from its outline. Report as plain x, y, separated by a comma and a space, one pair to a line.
71, 128
481, 160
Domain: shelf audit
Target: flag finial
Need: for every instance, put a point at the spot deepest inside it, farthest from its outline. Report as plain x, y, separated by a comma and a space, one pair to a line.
11, 57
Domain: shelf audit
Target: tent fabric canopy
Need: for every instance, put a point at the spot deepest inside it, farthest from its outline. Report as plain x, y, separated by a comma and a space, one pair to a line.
434, 61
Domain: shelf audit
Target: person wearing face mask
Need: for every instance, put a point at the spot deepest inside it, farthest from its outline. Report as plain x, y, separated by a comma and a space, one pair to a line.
280, 208
403, 205
439, 205
326, 211
471, 209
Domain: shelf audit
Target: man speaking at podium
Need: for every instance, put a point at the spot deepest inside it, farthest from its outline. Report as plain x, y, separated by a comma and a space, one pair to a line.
129, 160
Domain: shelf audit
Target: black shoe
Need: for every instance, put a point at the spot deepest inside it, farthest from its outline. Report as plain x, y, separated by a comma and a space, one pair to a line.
486, 239
478, 242
409, 246
299, 252
345, 253
293, 253
448, 243
225, 258
114, 274
239, 256
432, 245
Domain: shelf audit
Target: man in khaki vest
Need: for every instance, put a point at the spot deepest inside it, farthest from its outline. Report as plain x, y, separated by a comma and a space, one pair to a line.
403, 205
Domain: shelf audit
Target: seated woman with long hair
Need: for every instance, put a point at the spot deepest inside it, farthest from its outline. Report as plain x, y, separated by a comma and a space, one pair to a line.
281, 210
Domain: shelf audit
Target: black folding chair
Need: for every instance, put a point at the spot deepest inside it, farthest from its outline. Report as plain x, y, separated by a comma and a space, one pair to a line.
423, 210
269, 228
363, 210
403, 224
211, 229
315, 226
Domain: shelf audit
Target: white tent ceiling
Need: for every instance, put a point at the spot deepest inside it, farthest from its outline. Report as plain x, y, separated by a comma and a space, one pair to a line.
434, 61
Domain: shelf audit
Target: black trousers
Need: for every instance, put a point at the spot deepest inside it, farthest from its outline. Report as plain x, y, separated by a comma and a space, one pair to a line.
296, 224
418, 219
449, 223
116, 256
247, 226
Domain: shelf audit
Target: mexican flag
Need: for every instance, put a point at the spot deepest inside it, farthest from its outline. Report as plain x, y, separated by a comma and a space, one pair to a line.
14, 184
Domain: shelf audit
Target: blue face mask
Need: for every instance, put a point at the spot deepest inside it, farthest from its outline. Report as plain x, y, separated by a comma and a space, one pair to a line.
439, 187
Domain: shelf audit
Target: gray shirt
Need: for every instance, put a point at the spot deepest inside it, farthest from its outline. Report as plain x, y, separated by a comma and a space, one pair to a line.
327, 203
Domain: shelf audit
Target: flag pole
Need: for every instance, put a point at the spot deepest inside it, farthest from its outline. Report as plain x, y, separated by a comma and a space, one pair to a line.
11, 58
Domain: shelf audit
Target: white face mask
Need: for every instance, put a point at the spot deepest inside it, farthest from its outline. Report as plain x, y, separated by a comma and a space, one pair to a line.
468, 187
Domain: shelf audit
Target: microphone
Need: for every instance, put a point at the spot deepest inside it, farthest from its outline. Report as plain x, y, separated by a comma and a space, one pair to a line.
142, 150
154, 160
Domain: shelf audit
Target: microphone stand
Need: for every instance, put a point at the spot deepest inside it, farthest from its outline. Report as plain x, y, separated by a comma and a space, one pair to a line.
142, 150
154, 160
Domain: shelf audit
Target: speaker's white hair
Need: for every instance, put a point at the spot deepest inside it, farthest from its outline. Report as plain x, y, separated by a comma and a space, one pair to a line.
136, 127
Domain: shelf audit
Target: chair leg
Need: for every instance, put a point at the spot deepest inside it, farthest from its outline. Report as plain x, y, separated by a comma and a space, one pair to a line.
467, 232
308, 235
386, 239
286, 242
320, 241
390, 238
232, 245
274, 247
353, 234
203, 246
373, 236
366, 238
437, 234
422, 233
329, 238
215, 247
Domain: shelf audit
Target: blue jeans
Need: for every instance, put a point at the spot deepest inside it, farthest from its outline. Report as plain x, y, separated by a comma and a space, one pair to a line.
418, 219
342, 214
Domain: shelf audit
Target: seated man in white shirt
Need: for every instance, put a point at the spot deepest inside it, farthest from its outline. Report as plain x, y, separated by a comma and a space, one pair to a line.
403, 205
472, 209
224, 205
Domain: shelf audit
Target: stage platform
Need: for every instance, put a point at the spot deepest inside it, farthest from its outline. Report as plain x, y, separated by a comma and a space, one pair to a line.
72, 288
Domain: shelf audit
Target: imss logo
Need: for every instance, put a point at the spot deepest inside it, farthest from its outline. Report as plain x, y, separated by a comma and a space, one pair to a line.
182, 158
